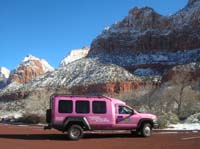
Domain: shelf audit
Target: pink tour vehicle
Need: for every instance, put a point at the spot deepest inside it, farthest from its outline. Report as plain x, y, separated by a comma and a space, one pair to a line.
75, 114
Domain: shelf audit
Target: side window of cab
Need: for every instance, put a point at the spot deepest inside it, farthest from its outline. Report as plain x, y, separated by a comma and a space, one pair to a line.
125, 110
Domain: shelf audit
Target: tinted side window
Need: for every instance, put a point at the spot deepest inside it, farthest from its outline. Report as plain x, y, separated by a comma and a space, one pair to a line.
99, 107
65, 106
124, 110
82, 107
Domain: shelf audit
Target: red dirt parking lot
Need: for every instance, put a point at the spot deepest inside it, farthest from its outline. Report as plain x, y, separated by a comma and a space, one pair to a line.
33, 137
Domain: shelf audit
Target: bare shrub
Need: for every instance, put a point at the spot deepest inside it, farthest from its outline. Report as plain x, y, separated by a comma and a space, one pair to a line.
30, 118
167, 118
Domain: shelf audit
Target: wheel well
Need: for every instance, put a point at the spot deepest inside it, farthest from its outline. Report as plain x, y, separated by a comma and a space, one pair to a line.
81, 121
74, 123
144, 121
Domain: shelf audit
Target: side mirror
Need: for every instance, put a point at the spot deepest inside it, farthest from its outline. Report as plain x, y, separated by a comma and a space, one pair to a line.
132, 112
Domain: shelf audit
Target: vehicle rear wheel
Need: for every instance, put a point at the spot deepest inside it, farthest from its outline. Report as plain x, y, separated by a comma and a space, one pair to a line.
146, 130
75, 132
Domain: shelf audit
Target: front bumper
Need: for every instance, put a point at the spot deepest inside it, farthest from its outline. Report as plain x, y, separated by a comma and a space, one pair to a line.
155, 124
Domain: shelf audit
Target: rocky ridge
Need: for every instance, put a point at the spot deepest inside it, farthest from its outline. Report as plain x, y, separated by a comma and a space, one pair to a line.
147, 40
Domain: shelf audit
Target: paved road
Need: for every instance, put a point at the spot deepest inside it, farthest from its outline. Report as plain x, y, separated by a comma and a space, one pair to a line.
30, 137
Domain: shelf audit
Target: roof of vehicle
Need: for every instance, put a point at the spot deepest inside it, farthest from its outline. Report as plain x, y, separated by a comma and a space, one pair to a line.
86, 96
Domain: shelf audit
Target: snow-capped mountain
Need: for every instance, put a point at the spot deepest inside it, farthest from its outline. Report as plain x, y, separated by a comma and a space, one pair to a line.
29, 68
74, 55
4, 74
28, 60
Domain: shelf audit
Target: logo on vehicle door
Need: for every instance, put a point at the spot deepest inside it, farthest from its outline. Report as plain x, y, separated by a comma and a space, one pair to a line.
98, 119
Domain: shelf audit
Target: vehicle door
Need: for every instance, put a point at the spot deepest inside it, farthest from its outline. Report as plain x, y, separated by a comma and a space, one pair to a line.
125, 117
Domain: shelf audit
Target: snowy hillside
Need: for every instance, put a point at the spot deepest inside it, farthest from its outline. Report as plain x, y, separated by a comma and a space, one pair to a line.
151, 63
81, 72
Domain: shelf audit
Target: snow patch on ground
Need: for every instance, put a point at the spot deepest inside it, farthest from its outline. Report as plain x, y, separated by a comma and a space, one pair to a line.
184, 126
11, 115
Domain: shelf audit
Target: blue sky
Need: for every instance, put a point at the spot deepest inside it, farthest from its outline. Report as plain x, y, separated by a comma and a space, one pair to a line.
49, 29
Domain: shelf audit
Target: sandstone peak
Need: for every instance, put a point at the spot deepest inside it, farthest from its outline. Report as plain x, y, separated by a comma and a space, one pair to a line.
145, 11
145, 30
29, 68
142, 19
32, 60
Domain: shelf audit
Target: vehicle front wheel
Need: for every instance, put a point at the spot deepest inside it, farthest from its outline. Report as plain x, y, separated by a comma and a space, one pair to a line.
75, 132
146, 130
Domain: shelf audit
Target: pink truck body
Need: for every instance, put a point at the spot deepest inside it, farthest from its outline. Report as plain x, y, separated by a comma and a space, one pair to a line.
95, 113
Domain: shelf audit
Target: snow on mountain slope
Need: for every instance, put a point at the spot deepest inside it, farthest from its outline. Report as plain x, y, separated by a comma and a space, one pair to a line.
4, 72
74, 55
28, 60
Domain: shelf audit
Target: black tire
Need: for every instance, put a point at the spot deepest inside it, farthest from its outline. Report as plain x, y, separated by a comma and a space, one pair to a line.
75, 132
146, 130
